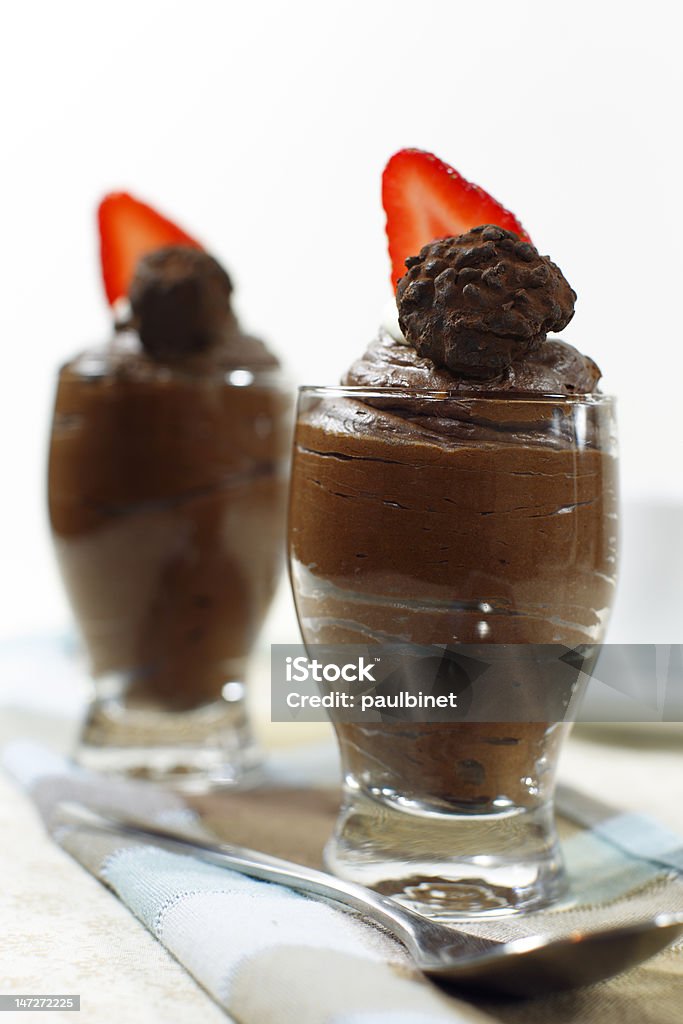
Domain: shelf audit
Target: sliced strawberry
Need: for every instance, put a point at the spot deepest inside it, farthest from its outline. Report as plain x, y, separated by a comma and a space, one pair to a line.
425, 199
128, 230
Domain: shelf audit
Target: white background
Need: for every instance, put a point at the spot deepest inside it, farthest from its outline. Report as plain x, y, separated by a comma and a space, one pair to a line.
263, 128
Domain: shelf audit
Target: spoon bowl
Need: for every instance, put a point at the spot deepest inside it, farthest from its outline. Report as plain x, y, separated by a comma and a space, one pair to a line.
537, 966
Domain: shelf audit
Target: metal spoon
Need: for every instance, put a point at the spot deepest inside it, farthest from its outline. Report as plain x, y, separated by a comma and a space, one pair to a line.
524, 967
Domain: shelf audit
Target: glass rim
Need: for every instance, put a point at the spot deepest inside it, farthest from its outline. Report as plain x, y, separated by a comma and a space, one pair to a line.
439, 395
91, 364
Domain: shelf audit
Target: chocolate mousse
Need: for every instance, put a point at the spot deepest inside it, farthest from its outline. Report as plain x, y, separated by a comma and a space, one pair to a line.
167, 482
462, 497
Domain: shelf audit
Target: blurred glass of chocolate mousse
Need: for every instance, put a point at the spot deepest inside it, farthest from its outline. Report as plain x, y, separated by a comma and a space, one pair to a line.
459, 488
168, 471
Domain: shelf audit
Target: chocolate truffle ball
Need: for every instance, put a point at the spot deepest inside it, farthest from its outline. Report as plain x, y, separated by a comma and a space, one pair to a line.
478, 303
180, 299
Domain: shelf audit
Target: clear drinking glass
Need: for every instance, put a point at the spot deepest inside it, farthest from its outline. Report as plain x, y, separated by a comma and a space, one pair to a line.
167, 494
437, 519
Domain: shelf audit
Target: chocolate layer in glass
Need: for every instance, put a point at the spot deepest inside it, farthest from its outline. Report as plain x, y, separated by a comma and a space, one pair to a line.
461, 520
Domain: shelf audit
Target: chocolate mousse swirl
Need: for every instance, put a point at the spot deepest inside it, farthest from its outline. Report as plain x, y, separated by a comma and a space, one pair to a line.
555, 368
455, 343
404, 380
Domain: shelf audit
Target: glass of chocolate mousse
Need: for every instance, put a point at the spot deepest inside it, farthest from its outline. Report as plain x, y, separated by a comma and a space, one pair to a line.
457, 490
168, 472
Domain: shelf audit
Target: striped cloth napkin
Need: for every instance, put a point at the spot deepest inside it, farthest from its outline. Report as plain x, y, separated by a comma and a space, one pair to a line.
268, 955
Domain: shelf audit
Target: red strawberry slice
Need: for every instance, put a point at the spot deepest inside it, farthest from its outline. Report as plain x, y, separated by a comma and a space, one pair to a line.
129, 230
425, 199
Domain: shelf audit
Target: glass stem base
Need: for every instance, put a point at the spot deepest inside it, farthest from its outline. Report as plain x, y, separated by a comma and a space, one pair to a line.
447, 866
198, 750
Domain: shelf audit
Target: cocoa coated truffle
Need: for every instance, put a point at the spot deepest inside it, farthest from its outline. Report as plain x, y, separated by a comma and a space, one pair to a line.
478, 303
180, 299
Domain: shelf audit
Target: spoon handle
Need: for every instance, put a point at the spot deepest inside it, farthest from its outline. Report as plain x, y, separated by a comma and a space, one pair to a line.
406, 925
